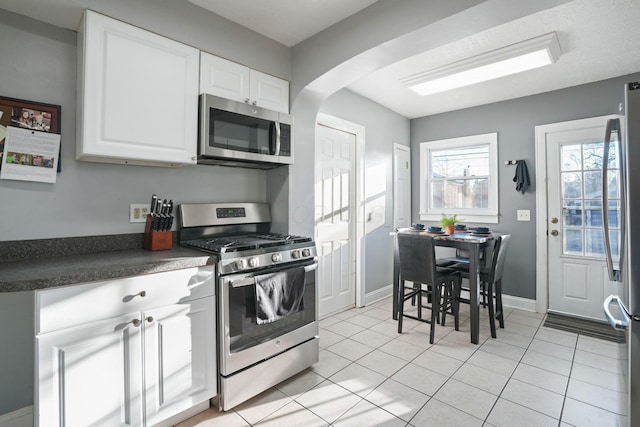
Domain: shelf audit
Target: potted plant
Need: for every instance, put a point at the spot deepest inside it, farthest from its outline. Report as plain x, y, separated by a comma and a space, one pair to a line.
449, 222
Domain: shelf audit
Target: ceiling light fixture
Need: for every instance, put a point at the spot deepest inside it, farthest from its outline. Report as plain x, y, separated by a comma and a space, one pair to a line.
519, 57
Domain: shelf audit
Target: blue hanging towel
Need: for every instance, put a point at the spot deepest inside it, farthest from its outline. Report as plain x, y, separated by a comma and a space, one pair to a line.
522, 177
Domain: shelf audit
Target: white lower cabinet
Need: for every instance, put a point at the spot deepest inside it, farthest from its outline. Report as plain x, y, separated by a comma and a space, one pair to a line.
90, 375
134, 369
178, 349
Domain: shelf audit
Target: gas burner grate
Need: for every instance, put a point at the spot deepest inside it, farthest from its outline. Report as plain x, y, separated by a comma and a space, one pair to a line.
226, 244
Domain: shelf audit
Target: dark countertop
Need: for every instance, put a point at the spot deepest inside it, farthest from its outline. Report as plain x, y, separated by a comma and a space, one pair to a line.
40, 272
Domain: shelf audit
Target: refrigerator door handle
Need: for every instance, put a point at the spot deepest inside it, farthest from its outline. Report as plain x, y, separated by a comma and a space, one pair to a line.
616, 323
615, 275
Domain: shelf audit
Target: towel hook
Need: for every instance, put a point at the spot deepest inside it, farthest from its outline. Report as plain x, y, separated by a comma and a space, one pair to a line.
511, 162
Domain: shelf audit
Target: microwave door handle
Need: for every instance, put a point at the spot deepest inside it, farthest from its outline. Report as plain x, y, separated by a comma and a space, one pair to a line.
613, 125
277, 151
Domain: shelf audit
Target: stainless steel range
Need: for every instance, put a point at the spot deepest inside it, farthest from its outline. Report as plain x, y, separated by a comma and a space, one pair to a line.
267, 326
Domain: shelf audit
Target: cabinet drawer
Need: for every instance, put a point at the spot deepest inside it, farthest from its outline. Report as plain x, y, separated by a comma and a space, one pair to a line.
75, 305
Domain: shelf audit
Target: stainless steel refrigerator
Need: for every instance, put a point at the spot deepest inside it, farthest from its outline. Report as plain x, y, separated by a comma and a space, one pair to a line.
622, 144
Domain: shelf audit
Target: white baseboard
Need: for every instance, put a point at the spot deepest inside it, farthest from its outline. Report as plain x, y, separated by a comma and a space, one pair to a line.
21, 418
378, 294
507, 300
519, 303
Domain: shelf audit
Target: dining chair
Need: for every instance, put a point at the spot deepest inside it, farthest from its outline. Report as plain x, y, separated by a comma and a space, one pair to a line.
491, 280
441, 285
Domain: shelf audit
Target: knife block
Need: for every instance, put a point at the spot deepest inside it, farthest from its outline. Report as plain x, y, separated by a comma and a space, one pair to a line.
156, 240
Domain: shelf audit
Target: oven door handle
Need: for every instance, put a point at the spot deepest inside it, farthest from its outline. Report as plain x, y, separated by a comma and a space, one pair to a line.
252, 280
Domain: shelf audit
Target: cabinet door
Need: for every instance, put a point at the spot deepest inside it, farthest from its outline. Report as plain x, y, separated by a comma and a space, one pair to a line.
137, 96
223, 78
90, 375
269, 92
180, 360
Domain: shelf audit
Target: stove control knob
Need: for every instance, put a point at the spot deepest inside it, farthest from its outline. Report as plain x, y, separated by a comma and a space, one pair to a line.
241, 264
253, 262
295, 254
276, 257
306, 252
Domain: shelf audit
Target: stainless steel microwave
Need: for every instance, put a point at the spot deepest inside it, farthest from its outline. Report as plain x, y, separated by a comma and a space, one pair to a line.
238, 134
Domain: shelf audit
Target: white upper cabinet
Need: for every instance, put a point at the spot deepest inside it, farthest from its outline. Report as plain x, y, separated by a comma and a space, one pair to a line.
137, 95
231, 80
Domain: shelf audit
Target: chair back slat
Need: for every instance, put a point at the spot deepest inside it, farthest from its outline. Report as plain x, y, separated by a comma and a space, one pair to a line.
499, 255
417, 258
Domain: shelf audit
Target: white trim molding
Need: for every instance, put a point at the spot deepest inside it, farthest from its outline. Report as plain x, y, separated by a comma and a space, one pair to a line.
485, 215
520, 303
22, 417
359, 131
542, 250
378, 295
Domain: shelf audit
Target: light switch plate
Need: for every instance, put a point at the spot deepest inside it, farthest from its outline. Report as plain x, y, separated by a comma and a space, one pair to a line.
524, 215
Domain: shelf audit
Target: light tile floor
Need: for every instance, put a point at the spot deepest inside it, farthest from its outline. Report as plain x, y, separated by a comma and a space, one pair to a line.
369, 375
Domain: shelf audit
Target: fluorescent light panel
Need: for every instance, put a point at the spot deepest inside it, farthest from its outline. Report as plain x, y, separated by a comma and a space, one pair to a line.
523, 56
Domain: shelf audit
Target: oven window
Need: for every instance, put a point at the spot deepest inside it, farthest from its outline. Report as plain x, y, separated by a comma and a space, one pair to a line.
239, 132
243, 329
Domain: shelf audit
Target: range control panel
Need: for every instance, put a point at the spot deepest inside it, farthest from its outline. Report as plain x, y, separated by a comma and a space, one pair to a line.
230, 213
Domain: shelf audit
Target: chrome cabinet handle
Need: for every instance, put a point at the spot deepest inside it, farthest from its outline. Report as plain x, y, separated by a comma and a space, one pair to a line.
150, 319
136, 322
140, 294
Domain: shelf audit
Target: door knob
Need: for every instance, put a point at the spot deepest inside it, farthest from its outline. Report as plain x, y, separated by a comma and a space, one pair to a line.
554, 232
554, 220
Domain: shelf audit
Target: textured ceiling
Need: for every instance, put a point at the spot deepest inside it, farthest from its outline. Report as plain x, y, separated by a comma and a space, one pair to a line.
598, 39
286, 21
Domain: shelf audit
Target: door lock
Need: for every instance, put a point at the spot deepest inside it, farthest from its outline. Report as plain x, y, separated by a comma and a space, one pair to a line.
554, 220
554, 232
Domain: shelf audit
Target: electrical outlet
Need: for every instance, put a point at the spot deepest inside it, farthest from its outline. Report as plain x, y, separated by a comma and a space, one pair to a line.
524, 215
139, 212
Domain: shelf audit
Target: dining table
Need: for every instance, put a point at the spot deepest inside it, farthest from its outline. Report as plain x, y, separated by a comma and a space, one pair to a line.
474, 244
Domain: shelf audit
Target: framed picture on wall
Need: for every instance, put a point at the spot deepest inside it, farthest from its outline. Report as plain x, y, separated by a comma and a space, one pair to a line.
34, 116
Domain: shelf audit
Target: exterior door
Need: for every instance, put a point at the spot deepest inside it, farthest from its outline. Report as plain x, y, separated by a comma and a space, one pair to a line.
578, 281
335, 195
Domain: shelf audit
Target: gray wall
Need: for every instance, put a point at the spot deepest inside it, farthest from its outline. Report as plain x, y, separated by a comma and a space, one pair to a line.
94, 198
88, 198
383, 127
514, 121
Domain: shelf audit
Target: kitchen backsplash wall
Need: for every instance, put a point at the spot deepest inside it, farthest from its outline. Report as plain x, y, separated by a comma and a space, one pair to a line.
88, 198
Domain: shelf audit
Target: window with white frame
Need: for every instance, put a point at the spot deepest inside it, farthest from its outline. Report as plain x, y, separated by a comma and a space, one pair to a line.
460, 176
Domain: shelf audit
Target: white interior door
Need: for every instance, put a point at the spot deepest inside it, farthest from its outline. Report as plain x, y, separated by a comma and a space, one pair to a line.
335, 198
578, 281
401, 186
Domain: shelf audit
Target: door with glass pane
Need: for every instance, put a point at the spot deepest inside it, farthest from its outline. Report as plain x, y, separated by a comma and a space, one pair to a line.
578, 280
